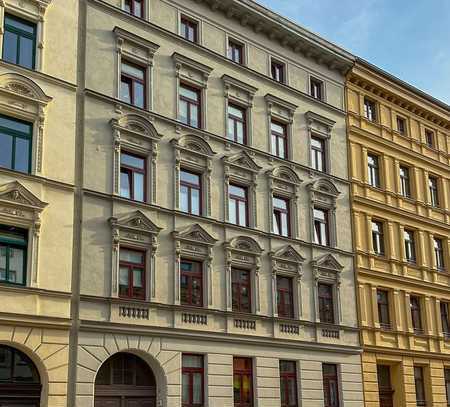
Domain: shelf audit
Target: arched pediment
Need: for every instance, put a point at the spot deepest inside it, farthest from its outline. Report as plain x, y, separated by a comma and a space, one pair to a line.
286, 174
196, 145
137, 124
23, 87
246, 244
324, 186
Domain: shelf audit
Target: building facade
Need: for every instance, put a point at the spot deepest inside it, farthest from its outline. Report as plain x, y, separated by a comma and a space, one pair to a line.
399, 166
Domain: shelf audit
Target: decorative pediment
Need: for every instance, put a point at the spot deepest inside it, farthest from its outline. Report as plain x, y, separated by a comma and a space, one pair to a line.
324, 186
284, 173
191, 70
136, 124
15, 194
195, 234
194, 144
326, 267
319, 124
23, 87
287, 260
135, 222
244, 244
243, 161
288, 253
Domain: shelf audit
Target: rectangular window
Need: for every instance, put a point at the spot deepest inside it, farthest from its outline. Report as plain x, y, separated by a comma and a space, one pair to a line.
373, 170
192, 380
19, 41
278, 71
419, 383
439, 253
241, 290
445, 318
370, 110
13, 255
281, 216
316, 88
134, 7
430, 139
434, 191
285, 298
384, 386
383, 309
16, 144
190, 106
190, 192
132, 176
237, 124
447, 384
189, 29
410, 246
288, 383
191, 283
330, 385
132, 274
236, 52
318, 154
378, 238
133, 84
401, 125
321, 227
278, 133
242, 382
326, 303
405, 184
238, 205
416, 314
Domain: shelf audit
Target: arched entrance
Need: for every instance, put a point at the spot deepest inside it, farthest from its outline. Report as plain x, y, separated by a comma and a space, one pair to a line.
20, 384
125, 380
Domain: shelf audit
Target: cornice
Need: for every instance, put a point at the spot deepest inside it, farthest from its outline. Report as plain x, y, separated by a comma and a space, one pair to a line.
401, 353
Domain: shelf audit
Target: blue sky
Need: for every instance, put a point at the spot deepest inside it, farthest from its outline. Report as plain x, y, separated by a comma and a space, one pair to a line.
408, 38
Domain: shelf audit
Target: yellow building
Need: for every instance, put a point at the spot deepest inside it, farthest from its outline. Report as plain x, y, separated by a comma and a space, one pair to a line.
399, 141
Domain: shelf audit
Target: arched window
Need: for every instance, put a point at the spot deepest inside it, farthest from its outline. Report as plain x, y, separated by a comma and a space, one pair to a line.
19, 379
124, 380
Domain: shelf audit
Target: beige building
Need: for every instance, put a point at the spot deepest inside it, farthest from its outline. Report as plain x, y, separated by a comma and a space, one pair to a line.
188, 185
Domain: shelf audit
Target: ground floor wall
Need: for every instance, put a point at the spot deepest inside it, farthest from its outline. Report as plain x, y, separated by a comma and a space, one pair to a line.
402, 379
164, 355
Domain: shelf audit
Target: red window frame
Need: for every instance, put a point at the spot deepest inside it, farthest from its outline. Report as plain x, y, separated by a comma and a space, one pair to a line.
316, 88
330, 379
188, 25
288, 377
235, 120
326, 303
278, 70
237, 284
190, 372
191, 102
277, 138
236, 52
278, 213
285, 298
130, 80
191, 276
135, 5
130, 170
243, 370
236, 199
190, 186
131, 266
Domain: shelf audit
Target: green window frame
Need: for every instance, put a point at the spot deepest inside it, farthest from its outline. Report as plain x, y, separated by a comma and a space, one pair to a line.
12, 241
23, 30
17, 132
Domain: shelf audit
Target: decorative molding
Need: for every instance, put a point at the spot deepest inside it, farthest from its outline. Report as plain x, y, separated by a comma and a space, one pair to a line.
191, 71
280, 109
319, 124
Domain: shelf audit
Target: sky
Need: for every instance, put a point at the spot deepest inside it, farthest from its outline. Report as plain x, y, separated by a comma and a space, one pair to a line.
408, 38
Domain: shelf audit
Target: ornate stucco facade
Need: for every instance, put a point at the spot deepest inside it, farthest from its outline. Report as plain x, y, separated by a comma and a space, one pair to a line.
399, 167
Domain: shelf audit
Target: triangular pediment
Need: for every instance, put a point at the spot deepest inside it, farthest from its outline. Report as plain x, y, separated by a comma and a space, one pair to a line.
328, 261
136, 221
288, 253
243, 160
15, 193
195, 233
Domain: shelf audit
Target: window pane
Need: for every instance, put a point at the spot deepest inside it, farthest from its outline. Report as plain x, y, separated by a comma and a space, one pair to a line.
197, 388
22, 155
237, 191
26, 52
240, 132
276, 228
133, 71
3, 254
6, 151
131, 256
139, 97
274, 144
232, 211
125, 187
195, 201
19, 24
189, 177
277, 128
242, 213
188, 93
125, 91
16, 264
137, 278
123, 276
231, 129
246, 388
284, 224
183, 111
138, 186
184, 198
279, 203
132, 161
16, 125
236, 112
138, 8
281, 152
10, 47
193, 361
194, 116
185, 388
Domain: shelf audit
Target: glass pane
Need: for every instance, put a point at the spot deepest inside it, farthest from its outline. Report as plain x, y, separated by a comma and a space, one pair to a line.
184, 197
184, 282
6, 151
137, 278
26, 52
232, 211
246, 388
188, 93
22, 155
131, 256
183, 111
240, 132
284, 224
281, 152
274, 144
197, 388
194, 116
138, 8
242, 213
236, 112
125, 91
276, 228
133, 71
279, 203
5, 365
16, 265
132, 161
10, 47
125, 185
292, 391
197, 291
20, 24
319, 214
283, 392
237, 388
195, 201
193, 361
231, 129
123, 276
16, 125
277, 128
189, 177
23, 370
138, 186
237, 191
139, 97
3, 254
185, 388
